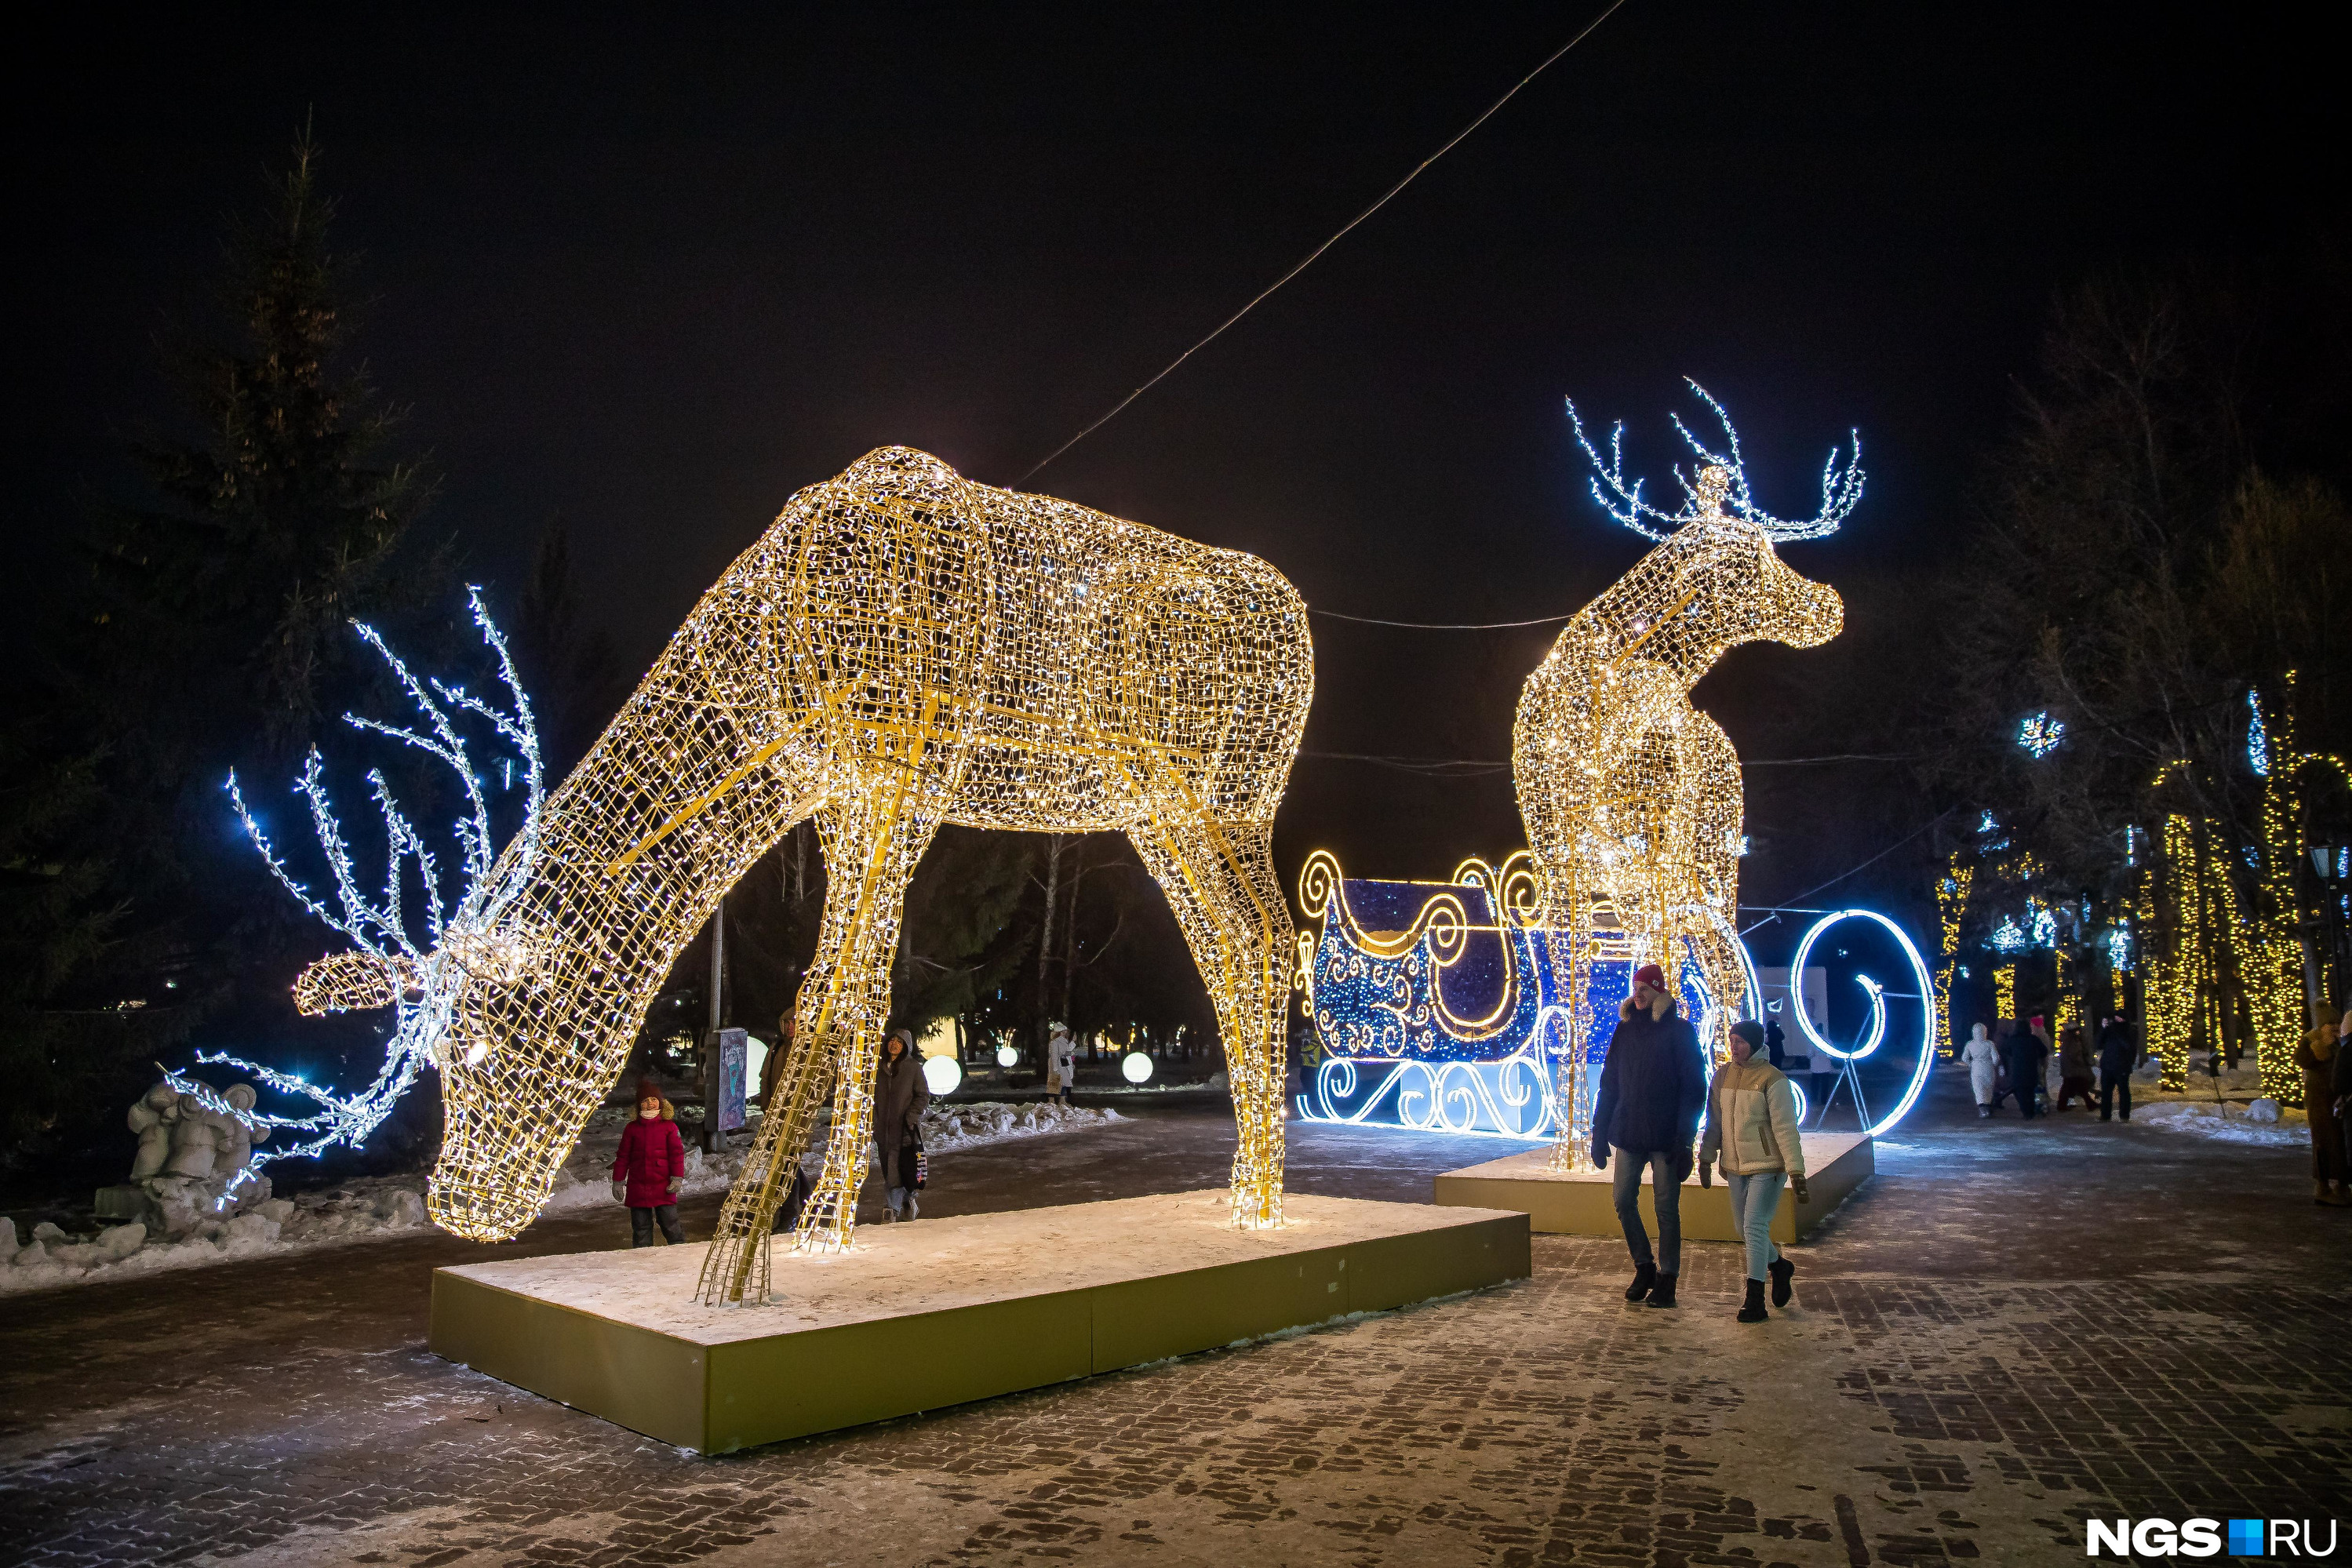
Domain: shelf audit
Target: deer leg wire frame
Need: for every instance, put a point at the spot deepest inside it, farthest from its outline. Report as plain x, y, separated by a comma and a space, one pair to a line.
901, 648
1630, 797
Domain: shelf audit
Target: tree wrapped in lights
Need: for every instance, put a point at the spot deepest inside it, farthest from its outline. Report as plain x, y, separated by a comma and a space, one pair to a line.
386, 965
1951, 910
1630, 797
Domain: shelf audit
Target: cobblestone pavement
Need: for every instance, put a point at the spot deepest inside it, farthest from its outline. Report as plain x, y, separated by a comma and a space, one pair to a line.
2011, 1329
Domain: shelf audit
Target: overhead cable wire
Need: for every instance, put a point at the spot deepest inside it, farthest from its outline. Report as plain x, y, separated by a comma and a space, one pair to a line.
1327, 244
1864, 866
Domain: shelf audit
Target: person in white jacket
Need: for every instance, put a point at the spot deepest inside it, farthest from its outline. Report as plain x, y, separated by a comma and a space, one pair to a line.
1751, 1128
1061, 1064
1983, 1059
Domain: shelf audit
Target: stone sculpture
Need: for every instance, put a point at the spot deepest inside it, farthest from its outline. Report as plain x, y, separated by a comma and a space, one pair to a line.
193, 1163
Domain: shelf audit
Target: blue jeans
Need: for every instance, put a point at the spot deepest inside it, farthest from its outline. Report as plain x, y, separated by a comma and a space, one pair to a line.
1665, 1196
1755, 1200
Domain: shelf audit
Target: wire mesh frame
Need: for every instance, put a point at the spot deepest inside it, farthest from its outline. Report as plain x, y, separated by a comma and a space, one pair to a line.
1630, 797
901, 648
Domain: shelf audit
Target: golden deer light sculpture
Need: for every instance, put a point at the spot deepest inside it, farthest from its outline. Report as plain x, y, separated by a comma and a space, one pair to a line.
1630, 797
902, 648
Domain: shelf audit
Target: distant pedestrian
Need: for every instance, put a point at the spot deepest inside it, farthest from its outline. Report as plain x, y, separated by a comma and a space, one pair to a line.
1653, 1085
2004, 1035
1061, 1064
2118, 1054
2073, 1067
900, 1098
1751, 1128
649, 1168
772, 1069
1984, 1069
2040, 1030
2022, 1056
1776, 1044
2316, 1056
2340, 1080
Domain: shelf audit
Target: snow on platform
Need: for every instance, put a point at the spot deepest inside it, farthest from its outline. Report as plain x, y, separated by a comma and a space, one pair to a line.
919, 1317
1579, 1203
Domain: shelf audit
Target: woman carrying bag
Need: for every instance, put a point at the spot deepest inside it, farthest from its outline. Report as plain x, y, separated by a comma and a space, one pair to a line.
900, 1098
1751, 1127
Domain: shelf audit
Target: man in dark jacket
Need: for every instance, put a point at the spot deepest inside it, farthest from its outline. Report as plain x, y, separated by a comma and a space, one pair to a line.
2118, 1054
1776, 1044
1652, 1087
2020, 1058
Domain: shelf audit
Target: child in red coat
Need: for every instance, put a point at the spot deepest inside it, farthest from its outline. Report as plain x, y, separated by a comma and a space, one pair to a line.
650, 1168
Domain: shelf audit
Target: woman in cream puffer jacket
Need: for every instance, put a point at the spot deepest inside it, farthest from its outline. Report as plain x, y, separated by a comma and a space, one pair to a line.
1751, 1128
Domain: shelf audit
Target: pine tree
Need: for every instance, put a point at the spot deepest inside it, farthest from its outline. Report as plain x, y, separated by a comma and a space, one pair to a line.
212, 634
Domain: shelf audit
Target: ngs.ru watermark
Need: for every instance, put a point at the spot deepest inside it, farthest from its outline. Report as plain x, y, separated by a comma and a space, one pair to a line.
2208, 1538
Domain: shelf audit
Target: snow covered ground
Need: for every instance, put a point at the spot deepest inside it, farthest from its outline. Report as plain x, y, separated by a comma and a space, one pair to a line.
380, 1206
2227, 1122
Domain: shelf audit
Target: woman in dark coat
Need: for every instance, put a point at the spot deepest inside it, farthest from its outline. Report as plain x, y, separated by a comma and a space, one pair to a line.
2073, 1067
901, 1097
2316, 1056
2021, 1054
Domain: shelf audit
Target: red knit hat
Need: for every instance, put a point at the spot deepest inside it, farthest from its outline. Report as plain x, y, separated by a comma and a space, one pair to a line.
647, 1090
1650, 975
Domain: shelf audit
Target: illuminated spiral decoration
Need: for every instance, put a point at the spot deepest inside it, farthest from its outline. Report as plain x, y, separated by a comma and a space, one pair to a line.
1877, 1031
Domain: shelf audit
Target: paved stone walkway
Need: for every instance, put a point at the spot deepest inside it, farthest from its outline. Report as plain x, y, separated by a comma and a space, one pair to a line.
2011, 1329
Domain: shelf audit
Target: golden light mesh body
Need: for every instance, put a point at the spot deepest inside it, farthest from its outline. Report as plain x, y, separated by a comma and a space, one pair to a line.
901, 648
1630, 797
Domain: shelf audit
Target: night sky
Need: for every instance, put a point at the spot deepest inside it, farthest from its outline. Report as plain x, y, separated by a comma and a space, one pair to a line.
652, 274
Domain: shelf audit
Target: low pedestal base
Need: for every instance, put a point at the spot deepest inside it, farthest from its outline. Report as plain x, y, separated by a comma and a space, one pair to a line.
919, 1317
1579, 1203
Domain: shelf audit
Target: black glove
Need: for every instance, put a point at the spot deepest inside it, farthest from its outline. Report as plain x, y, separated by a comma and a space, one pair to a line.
1682, 1166
1706, 1174
1599, 1156
1797, 1185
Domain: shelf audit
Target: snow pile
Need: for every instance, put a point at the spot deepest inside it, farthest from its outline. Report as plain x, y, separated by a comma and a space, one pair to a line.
378, 1207
949, 1127
2229, 1123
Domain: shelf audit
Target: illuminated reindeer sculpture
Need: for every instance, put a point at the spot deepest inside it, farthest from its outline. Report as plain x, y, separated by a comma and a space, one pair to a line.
901, 648
1630, 796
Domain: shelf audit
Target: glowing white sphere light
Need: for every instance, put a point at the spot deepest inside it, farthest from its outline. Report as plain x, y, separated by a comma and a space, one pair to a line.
1007, 1057
1135, 1066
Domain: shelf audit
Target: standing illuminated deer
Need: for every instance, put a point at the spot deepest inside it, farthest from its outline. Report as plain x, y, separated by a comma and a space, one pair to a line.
1630, 797
902, 648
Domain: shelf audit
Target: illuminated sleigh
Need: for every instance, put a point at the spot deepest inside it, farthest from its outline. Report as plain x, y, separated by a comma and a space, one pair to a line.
1444, 1006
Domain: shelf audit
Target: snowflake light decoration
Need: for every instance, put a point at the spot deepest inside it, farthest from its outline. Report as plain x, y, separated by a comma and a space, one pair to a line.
2040, 734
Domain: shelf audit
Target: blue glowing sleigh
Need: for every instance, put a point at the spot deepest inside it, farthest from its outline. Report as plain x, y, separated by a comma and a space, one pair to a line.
1443, 1006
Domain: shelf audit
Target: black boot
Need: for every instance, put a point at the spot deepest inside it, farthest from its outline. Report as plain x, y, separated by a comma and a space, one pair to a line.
1662, 1294
1781, 1270
1753, 1310
1645, 1276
